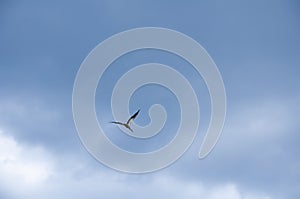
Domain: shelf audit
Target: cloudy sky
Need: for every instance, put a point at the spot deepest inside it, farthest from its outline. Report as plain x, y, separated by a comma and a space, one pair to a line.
255, 45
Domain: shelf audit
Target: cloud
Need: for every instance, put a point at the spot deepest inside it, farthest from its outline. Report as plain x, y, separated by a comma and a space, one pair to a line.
251, 149
255, 145
22, 169
37, 120
257, 149
32, 172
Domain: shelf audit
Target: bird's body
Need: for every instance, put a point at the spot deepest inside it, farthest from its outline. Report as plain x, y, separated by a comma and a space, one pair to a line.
127, 124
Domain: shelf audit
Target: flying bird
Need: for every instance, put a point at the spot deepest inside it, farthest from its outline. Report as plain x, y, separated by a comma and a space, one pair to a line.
127, 124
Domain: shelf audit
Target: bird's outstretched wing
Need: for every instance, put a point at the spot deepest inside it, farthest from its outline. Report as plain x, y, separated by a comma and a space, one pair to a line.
117, 123
132, 117
120, 123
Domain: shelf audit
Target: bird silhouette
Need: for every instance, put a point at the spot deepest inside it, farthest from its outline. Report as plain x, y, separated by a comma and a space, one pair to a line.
127, 124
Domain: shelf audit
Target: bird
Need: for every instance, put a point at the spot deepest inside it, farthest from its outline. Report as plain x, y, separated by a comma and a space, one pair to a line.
127, 124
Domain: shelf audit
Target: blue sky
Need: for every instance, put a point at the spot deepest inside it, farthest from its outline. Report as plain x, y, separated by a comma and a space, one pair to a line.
255, 45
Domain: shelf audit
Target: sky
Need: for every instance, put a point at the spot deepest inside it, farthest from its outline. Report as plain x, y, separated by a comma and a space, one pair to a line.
255, 45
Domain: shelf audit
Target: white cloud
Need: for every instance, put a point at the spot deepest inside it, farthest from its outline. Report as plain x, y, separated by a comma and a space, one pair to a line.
267, 117
110, 185
256, 151
22, 169
34, 172
31, 172
259, 128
